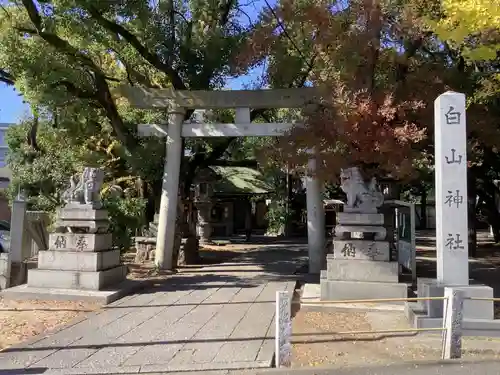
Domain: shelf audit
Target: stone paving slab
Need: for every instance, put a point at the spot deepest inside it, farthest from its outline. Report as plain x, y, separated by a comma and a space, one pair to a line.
208, 341
455, 367
427, 368
218, 318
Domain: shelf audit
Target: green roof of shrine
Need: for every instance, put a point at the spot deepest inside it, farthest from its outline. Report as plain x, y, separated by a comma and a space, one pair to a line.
240, 180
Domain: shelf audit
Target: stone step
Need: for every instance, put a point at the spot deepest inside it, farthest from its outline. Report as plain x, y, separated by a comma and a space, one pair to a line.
99, 280
354, 290
360, 249
362, 270
78, 260
83, 242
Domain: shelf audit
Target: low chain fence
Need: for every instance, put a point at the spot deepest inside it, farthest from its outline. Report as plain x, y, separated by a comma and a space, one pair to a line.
451, 329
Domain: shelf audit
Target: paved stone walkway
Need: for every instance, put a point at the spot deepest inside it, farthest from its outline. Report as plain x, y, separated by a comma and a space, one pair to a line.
218, 317
426, 368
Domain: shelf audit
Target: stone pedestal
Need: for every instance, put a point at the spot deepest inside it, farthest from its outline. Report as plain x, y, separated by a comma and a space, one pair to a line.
360, 266
80, 263
81, 260
478, 315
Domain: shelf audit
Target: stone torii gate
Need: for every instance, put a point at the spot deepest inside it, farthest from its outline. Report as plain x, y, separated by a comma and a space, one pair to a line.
176, 103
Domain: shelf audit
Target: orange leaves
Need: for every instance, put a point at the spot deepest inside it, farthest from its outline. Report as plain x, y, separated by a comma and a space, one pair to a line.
379, 89
369, 133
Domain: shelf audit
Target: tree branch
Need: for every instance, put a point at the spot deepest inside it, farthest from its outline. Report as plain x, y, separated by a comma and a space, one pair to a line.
76, 91
6, 77
33, 14
411, 49
225, 10
285, 32
310, 67
150, 57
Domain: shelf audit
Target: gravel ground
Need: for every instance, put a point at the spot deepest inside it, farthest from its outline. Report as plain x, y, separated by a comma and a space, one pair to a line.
21, 320
316, 343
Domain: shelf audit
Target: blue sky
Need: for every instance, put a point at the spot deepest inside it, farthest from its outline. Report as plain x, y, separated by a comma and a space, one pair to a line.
12, 108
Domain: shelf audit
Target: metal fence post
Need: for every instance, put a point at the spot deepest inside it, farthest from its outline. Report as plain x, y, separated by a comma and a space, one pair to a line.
283, 345
452, 323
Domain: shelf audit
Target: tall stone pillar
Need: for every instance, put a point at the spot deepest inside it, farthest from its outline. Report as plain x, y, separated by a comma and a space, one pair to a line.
165, 241
452, 265
18, 229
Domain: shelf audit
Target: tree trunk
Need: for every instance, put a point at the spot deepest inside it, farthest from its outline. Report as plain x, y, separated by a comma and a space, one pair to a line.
471, 212
423, 207
33, 131
150, 195
179, 256
248, 222
288, 215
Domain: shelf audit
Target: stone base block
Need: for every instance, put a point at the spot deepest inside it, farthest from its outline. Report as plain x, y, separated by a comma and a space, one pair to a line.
353, 218
92, 226
78, 260
358, 210
87, 280
312, 292
362, 270
361, 249
472, 309
417, 317
82, 212
356, 290
85, 242
343, 231
104, 296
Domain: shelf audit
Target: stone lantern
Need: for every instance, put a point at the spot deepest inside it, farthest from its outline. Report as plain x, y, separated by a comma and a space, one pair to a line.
203, 203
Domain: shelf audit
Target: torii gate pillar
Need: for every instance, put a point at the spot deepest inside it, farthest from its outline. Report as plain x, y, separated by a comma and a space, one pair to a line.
170, 189
315, 220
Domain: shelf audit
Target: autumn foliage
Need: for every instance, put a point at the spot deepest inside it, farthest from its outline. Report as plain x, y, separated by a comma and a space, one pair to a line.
461, 22
378, 86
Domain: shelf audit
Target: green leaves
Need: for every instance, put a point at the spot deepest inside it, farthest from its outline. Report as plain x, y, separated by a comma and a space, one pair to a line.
43, 174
